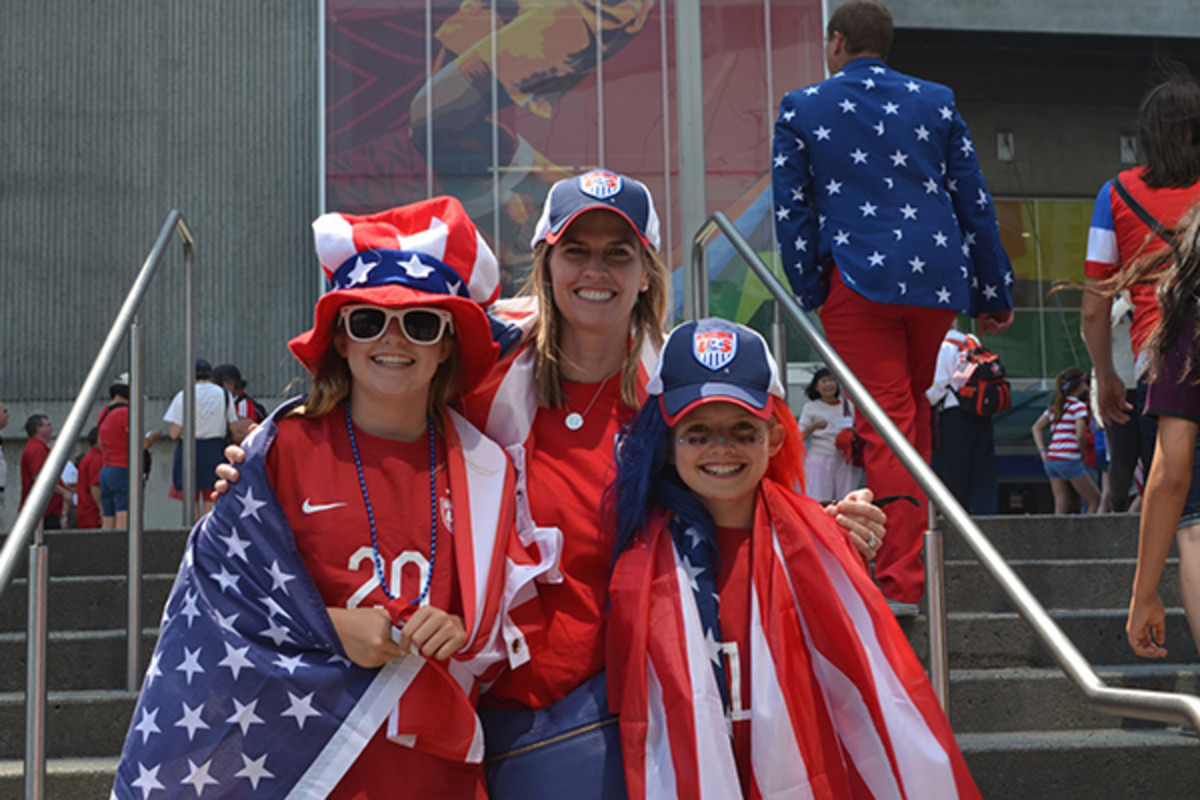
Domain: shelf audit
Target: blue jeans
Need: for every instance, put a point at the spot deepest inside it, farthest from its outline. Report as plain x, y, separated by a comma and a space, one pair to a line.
1065, 470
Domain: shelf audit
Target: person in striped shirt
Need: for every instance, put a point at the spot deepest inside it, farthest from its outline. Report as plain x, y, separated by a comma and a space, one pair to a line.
1067, 419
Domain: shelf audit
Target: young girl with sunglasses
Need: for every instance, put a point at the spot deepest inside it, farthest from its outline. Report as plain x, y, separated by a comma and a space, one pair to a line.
739, 605
402, 517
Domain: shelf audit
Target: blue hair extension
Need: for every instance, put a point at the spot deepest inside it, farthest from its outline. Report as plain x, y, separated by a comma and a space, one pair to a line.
646, 479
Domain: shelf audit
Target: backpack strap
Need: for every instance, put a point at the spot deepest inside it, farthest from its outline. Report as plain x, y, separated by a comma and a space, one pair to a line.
1145, 216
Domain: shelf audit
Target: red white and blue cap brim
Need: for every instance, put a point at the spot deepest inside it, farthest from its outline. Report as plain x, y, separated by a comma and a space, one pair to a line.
711, 361
598, 189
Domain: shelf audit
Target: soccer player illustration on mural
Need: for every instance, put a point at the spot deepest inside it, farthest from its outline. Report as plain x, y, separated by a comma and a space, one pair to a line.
533, 52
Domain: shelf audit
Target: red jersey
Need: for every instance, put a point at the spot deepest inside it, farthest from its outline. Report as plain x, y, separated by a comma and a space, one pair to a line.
566, 474
733, 589
33, 458
114, 435
311, 466
1118, 236
87, 513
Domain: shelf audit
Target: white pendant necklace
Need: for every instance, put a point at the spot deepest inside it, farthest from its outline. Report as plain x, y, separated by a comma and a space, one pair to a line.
574, 420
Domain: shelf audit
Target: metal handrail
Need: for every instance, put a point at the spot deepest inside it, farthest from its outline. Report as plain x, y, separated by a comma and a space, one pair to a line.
28, 524
1139, 703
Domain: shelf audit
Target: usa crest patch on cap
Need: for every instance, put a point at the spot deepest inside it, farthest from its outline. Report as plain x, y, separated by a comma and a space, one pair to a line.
600, 184
714, 347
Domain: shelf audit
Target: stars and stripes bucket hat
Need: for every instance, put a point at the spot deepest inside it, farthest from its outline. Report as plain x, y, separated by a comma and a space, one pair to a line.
425, 254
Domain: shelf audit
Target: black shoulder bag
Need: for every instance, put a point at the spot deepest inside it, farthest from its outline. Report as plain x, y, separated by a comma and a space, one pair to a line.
1145, 216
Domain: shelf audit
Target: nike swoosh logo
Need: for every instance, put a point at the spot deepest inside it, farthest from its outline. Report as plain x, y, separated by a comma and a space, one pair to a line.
309, 508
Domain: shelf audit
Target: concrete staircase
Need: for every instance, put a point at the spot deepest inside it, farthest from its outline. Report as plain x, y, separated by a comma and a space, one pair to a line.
1025, 730
87, 710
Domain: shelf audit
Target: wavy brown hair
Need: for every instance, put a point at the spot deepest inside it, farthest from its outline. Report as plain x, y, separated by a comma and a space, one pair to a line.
648, 318
331, 382
1176, 271
1169, 133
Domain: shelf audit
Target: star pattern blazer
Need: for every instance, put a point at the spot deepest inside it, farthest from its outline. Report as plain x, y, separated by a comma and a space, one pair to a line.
875, 171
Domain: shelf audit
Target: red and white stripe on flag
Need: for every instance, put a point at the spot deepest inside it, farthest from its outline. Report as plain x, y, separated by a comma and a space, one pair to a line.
840, 707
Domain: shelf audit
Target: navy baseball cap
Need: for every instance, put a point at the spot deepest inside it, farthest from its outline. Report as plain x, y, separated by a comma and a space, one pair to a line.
714, 360
599, 188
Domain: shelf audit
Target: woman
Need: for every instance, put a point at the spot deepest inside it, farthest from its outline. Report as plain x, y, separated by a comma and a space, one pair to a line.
1171, 511
828, 475
1169, 183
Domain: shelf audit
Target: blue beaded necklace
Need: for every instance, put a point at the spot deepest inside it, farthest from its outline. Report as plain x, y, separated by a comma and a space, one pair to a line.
362, 483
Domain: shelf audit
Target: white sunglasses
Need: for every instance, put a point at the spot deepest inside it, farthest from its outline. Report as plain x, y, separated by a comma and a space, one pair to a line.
420, 325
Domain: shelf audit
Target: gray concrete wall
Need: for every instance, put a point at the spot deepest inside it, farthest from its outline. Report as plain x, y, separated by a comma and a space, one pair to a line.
117, 111
1149, 18
1066, 99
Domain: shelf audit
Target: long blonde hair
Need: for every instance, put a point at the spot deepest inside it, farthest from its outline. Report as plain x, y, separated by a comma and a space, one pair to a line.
649, 316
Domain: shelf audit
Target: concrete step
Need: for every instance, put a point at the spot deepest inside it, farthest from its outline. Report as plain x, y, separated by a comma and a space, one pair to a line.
75, 661
986, 640
78, 724
66, 779
1062, 583
78, 602
1043, 698
96, 552
1083, 765
1046, 536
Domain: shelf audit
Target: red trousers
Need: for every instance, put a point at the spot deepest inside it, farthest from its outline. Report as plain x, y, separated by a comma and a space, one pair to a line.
892, 349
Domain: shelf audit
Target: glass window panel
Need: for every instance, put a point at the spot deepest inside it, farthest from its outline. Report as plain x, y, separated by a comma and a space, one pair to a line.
1064, 345
1017, 235
1021, 345
1062, 231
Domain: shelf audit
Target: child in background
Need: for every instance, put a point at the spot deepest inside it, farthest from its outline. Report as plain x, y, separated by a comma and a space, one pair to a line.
1067, 418
737, 602
336, 613
828, 475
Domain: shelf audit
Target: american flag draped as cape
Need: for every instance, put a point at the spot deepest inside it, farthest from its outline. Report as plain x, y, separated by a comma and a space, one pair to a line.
840, 707
249, 694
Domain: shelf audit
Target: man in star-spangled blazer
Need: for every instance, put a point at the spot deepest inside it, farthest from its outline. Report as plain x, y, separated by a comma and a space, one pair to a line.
886, 228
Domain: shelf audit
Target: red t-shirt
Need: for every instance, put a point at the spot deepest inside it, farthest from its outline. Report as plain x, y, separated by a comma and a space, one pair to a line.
87, 513
566, 474
114, 435
733, 590
33, 457
1118, 236
311, 466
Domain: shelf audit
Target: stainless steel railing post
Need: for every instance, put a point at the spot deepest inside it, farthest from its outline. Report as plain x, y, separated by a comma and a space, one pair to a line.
35, 675
189, 393
137, 504
28, 526
935, 594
